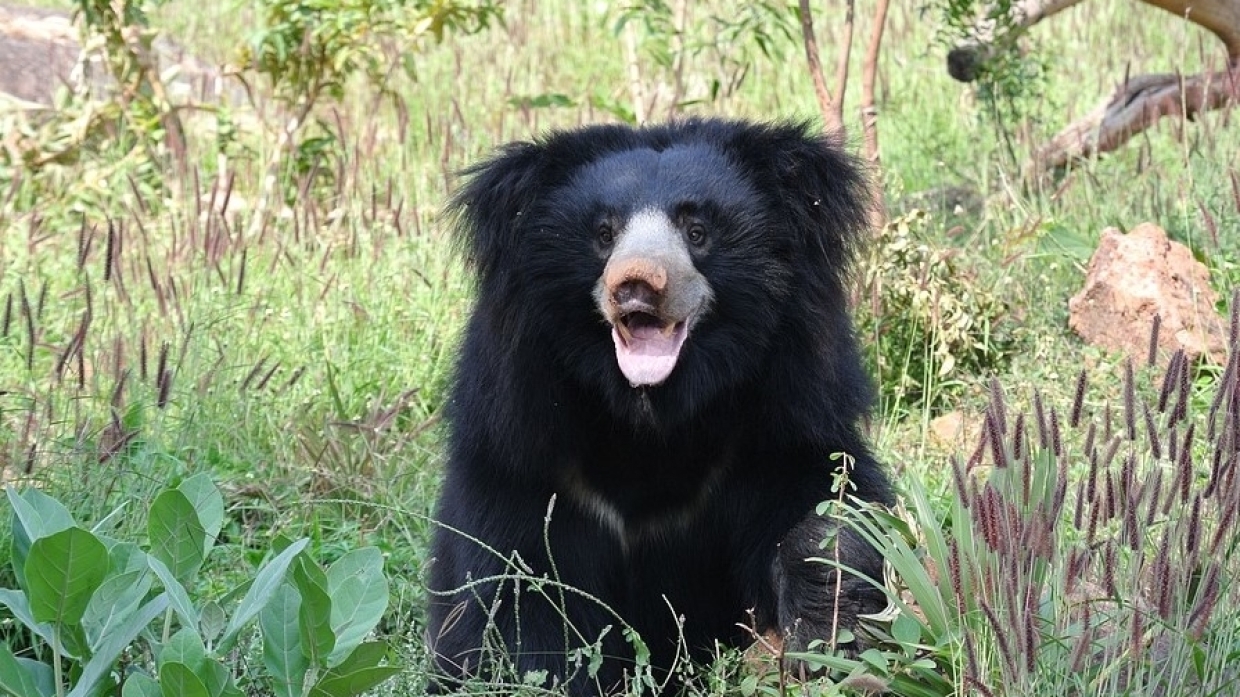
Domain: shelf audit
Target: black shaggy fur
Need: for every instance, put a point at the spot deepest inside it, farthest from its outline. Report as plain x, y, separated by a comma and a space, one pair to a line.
690, 499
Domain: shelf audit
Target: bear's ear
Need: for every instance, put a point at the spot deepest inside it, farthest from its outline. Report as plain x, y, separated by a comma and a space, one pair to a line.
495, 193
824, 190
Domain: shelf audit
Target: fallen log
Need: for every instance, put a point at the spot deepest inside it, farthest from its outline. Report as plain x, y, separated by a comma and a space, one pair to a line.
1139, 102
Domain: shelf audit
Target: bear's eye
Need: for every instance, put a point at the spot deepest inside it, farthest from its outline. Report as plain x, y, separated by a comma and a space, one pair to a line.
696, 234
605, 235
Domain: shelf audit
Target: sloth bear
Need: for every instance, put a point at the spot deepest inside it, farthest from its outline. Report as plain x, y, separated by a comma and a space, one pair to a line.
657, 373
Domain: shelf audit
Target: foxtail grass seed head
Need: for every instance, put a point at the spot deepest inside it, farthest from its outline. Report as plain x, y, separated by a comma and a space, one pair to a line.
1180, 413
1130, 401
1184, 464
953, 570
1153, 353
1091, 434
1040, 414
8, 316
142, 359
1056, 439
1109, 563
85, 235
1192, 536
1233, 335
1108, 422
1031, 638
1221, 394
1128, 473
1111, 507
1168, 383
1095, 510
1018, 438
1152, 430
1091, 483
1078, 506
1131, 530
1078, 400
28, 314
109, 251
997, 405
1155, 484
1061, 489
1162, 575
1137, 637
994, 435
1207, 598
962, 493
1001, 634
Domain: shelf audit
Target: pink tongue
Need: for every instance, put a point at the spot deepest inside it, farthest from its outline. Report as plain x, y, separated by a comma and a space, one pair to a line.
649, 356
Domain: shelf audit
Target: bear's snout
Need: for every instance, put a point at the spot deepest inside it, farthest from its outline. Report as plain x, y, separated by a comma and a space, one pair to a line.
636, 286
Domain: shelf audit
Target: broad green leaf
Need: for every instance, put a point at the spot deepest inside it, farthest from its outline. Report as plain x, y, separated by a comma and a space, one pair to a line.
906, 630
315, 612
15, 679
366, 655
266, 582
101, 664
181, 603
178, 680
216, 677
359, 597
43, 674
177, 535
17, 604
63, 571
205, 497
117, 597
35, 515
354, 683
283, 655
140, 685
212, 620
357, 673
184, 647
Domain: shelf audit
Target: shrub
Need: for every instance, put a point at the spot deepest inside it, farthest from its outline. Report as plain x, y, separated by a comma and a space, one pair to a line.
107, 615
929, 319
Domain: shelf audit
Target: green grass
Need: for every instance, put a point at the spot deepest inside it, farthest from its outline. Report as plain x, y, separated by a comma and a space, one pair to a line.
305, 366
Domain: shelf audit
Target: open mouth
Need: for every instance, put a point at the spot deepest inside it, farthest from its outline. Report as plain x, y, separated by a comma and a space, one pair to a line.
647, 346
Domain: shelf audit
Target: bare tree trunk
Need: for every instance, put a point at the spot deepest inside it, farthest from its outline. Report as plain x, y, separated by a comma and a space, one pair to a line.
832, 117
869, 74
841, 61
642, 106
681, 19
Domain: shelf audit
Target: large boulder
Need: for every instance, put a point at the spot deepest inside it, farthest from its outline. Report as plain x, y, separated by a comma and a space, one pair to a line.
1135, 277
40, 52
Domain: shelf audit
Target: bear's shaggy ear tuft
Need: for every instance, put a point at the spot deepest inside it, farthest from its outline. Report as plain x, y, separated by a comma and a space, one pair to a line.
824, 190
487, 208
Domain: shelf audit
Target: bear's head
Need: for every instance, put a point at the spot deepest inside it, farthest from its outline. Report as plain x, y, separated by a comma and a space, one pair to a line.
678, 260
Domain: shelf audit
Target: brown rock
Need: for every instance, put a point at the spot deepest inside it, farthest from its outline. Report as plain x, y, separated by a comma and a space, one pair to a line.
1135, 277
953, 431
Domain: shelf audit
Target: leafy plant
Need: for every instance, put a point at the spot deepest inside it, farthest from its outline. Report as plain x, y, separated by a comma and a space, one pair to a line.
308, 50
984, 41
92, 605
929, 319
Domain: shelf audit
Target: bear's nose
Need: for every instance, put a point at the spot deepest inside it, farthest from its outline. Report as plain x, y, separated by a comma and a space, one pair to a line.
635, 295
